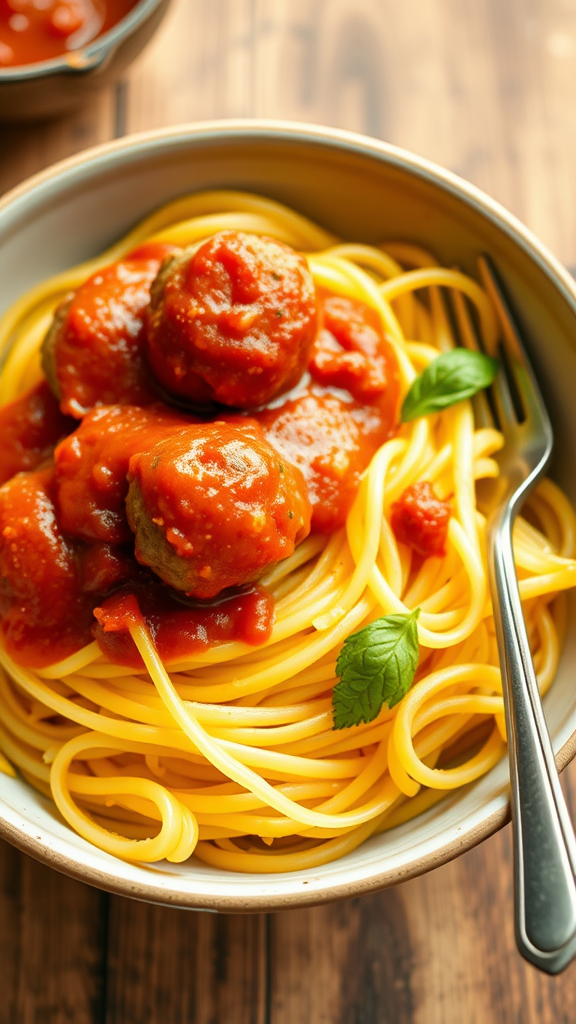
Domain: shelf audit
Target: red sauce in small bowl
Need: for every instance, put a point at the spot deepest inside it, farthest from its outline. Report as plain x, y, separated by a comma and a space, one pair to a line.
36, 30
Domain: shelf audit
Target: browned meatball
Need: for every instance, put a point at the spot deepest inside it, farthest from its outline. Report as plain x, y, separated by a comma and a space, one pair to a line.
232, 322
92, 353
91, 467
40, 606
30, 426
214, 506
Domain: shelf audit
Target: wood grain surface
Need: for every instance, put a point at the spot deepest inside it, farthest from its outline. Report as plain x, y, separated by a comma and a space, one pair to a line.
485, 87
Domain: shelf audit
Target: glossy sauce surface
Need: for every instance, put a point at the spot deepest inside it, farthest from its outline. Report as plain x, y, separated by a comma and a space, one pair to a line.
331, 439
30, 426
44, 617
93, 355
233, 322
204, 501
92, 463
420, 520
350, 351
37, 30
214, 506
331, 435
179, 632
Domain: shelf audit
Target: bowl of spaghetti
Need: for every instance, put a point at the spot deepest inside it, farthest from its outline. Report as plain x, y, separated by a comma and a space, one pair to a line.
247, 654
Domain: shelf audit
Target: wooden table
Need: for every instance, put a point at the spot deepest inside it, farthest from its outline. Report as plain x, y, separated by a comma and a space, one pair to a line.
487, 88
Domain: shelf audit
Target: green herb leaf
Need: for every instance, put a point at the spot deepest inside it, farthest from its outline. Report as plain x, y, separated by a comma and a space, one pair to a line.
376, 667
450, 378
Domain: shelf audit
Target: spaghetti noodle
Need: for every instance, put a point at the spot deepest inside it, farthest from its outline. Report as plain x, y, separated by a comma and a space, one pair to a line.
231, 753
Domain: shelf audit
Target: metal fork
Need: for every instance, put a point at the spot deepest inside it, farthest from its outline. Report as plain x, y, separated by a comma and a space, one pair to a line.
543, 837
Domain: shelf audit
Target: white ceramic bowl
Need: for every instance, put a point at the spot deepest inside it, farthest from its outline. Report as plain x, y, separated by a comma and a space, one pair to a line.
362, 190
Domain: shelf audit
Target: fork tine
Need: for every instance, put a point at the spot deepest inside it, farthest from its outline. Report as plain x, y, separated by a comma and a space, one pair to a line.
502, 399
517, 359
497, 409
508, 325
482, 412
500, 391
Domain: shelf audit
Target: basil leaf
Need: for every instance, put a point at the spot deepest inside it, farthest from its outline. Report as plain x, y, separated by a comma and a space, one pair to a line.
376, 667
450, 378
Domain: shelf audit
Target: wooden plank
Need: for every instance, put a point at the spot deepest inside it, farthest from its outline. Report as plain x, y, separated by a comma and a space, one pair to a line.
199, 67
461, 919
439, 949
345, 962
26, 149
52, 945
184, 967
484, 89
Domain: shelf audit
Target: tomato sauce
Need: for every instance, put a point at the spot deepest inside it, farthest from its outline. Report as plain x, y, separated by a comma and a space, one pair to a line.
93, 353
92, 463
233, 322
143, 506
179, 632
214, 506
333, 427
41, 608
350, 352
49, 586
420, 520
331, 439
38, 30
30, 427
102, 568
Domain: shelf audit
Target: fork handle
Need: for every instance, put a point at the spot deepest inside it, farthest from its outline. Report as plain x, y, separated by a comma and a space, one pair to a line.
544, 843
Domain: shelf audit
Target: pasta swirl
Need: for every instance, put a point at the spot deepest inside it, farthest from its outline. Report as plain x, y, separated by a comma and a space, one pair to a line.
231, 753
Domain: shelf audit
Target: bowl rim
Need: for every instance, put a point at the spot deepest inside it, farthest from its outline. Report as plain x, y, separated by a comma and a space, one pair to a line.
86, 58
104, 156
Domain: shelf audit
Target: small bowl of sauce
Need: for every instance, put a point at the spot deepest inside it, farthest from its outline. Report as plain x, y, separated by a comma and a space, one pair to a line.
55, 53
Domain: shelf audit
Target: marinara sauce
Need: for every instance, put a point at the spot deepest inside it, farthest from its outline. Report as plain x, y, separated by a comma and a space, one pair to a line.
52, 586
179, 631
92, 354
420, 519
336, 422
37, 30
30, 426
72, 566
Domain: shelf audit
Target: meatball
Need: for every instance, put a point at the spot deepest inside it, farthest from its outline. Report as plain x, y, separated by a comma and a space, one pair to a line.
104, 567
40, 607
214, 506
92, 353
30, 426
232, 322
92, 463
